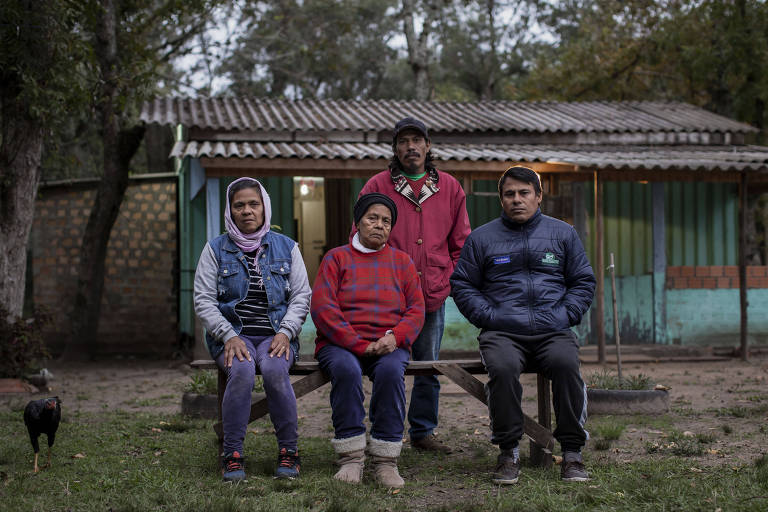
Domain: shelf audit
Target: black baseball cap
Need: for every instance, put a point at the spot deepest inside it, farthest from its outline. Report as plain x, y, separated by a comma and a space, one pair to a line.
409, 123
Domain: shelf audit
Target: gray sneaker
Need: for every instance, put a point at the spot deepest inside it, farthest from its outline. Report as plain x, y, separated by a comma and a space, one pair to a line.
573, 471
507, 470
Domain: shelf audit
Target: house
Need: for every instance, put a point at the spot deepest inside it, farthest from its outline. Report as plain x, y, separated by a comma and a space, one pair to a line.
657, 184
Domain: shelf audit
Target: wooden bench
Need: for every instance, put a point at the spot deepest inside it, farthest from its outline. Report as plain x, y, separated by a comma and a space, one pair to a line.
460, 371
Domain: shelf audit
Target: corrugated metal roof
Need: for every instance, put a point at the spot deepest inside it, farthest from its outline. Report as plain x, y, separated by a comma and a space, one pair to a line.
265, 114
722, 158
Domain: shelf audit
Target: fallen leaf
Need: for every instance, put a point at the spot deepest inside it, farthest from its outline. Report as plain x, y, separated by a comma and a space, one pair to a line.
696, 470
557, 459
396, 491
164, 423
655, 432
661, 387
78, 456
713, 451
477, 432
155, 429
688, 433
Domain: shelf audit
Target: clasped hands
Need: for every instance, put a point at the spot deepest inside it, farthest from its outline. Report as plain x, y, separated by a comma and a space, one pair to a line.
383, 346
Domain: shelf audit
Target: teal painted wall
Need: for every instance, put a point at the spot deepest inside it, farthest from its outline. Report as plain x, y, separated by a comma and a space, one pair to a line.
712, 317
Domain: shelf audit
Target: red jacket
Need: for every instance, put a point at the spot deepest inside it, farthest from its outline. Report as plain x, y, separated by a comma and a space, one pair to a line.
431, 227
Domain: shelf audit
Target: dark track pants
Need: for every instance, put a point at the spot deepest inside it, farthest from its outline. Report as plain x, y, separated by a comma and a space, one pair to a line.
556, 356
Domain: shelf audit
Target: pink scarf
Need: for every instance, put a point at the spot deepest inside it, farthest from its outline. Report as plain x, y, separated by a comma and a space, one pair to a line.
248, 242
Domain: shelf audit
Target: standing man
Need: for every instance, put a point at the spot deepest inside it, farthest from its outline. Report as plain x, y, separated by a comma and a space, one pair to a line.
433, 226
525, 280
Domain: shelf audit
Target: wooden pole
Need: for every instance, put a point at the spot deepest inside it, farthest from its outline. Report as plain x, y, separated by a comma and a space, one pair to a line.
599, 270
616, 334
743, 264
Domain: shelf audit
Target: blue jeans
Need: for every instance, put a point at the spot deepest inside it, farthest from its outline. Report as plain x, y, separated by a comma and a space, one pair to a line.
281, 401
422, 413
387, 372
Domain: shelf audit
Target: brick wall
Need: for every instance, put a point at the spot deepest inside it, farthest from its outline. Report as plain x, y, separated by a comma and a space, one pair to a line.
139, 304
715, 277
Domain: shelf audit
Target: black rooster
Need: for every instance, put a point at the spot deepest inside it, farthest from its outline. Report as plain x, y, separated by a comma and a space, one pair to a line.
42, 417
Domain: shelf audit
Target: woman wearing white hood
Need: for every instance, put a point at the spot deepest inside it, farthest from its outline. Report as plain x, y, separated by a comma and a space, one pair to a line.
252, 296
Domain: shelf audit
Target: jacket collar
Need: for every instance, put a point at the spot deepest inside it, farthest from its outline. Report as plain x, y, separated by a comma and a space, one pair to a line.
517, 226
402, 187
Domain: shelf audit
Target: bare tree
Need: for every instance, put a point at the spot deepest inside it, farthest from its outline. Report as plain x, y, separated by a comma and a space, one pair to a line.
419, 52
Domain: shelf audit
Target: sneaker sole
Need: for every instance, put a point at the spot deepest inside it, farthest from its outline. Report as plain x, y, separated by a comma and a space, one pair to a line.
575, 479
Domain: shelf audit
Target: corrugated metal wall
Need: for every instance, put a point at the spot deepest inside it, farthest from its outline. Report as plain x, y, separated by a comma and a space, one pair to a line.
701, 224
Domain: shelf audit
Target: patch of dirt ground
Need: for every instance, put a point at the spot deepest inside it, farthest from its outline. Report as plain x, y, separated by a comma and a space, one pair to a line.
726, 401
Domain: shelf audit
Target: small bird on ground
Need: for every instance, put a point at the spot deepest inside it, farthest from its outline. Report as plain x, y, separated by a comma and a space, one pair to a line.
42, 417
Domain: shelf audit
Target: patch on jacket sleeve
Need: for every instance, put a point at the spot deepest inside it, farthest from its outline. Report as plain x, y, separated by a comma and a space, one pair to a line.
498, 260
549, 259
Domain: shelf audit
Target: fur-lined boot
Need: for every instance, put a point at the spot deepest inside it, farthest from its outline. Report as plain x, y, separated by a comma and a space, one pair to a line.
351, 452
384, 458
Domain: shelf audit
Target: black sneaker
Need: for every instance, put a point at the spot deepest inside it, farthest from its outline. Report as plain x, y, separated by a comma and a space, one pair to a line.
573, 471
288, 464
507, 470
233, 467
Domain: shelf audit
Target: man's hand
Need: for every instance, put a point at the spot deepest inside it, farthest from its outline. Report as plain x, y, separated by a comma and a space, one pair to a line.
235, 347
280, 345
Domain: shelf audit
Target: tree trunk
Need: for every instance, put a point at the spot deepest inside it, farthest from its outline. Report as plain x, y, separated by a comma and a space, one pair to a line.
21, 148
418, 49
119, 147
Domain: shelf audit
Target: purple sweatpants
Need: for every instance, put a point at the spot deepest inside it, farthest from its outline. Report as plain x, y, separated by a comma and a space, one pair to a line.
281, 400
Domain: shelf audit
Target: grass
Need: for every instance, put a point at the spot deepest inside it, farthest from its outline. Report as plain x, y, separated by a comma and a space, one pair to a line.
136, 461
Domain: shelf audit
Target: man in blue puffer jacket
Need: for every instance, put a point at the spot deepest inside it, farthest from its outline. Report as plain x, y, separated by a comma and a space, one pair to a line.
525, 280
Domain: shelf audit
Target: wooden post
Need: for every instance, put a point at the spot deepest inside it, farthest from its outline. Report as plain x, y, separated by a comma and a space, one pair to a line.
743, 204
599, 270
616, 334
659, 264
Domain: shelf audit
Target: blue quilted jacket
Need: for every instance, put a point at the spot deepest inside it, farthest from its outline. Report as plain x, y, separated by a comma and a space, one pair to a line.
529, 278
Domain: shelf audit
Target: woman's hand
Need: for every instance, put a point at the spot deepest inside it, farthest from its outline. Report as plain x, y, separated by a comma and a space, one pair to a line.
280, 345
381, 347
235, 347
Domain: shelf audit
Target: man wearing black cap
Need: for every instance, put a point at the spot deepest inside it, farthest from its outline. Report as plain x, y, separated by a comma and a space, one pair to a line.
432, 228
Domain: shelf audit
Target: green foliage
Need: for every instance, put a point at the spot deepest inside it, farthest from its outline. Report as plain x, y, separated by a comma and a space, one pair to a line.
304, 50
710, 53
42, 75
606, 379
679, 443
205, 382
22, 344
610, 431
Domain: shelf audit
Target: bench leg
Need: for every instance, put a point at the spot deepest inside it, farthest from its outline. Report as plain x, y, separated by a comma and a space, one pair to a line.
539, 434
541, 455
221, 386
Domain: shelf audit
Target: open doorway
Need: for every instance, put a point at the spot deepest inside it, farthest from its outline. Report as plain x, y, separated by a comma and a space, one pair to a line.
309, 210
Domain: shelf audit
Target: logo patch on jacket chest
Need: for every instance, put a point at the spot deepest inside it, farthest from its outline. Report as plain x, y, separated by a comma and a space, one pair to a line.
549, 259
501, 259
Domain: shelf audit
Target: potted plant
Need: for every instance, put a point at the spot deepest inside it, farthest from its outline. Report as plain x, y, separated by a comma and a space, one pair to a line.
633, 394
200, 398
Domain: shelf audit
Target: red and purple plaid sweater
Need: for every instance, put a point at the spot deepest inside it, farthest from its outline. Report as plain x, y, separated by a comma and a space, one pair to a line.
358, 296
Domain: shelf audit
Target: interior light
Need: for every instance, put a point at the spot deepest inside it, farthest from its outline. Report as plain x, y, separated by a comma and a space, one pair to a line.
304, 189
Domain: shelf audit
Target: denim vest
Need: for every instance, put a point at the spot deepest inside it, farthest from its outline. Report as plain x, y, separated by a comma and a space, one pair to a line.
233, 280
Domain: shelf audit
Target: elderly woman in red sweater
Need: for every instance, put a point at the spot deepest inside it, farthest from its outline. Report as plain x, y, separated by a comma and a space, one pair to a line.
368, 308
